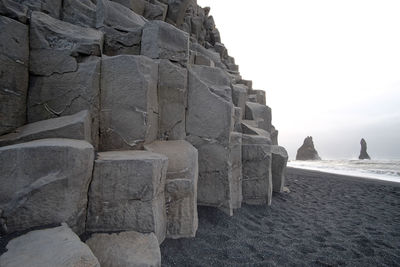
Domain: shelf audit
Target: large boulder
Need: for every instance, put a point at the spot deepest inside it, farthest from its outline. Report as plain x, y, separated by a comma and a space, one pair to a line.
14, 76
181, 186
259, 113
66, 94
279, 161
45, 182
307, 151
129, 104
128, 249
209, 123
127, 193
75, 126
363, 152
257, 174
172, 99
57, 246
164, 41
56, 45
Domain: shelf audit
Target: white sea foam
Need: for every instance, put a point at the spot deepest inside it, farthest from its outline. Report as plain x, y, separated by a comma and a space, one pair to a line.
387, 170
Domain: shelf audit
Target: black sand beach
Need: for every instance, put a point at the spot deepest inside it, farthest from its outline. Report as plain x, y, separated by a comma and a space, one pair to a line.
326, 220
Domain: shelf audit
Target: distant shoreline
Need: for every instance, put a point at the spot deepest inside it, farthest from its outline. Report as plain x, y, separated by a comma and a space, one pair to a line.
330, 175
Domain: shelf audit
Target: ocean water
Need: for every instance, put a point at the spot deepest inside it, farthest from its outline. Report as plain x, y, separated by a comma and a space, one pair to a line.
387, 170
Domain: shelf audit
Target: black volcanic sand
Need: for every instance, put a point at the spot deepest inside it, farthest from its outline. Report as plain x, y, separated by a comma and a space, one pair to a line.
326, 220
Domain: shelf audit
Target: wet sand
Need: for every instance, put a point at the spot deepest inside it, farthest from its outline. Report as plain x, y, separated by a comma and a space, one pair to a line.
325, 220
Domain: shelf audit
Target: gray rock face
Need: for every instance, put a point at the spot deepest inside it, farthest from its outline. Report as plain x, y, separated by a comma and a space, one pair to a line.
120, 42
279, 161
237, 118
75, 126
237, 177
22, 8
67, 94
307, 150
216, 79
79, 12
213, 118
126, 249
250, 127
363, 152
178, 9
259, 113
209, 54
257, 174
127, 193
55, 45
116, 15
164, 41
239, 97
215, 182
129, 112
248, 83
136, 6
155, 10
57, 246
172, 99
274, 135
209, 123
257, 96
122, 28
14, 76
181, 187
14, 10
45, 182
203, 60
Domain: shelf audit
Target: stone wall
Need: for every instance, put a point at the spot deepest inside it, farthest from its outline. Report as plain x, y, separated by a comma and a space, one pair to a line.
123, 116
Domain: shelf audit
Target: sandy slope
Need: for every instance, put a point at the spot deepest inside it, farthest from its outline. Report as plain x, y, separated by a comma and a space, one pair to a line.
326, 220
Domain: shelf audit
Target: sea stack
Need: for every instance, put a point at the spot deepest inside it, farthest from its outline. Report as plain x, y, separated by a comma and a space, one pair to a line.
307, 151
363, 152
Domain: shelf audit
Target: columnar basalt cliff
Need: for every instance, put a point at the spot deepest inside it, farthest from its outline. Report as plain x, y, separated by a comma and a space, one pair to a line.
122, 116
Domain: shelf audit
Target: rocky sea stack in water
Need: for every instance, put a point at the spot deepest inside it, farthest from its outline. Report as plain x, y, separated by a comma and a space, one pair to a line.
363, 152
122, 116
307, 151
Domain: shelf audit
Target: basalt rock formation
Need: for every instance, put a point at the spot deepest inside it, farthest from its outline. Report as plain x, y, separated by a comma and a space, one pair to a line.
122, 116
307, 151
363, 152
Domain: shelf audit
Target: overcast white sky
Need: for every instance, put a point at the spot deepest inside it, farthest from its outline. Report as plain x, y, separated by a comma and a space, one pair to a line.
330, 69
